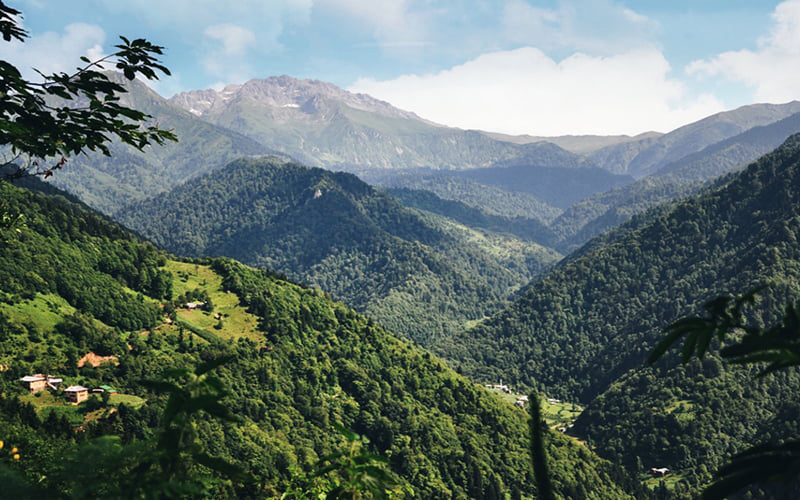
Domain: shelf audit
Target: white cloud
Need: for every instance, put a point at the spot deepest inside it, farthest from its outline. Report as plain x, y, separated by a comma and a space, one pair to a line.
231, 35
55, 52
227, 55
393, 23
594, 26
772, 69
235, 39
524, 91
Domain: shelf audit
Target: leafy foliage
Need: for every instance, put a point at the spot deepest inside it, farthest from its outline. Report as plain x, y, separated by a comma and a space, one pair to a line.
778, 346
34, 126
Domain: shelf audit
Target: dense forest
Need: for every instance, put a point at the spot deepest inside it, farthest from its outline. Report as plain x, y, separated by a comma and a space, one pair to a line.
583, 331
505, 317
300, 364
332, 230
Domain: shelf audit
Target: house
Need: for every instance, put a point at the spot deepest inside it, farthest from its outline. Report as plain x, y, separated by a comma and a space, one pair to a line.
39, 382
76, 394
35, 383
659, 472
54, 382
194, 305
519, 403
553, 401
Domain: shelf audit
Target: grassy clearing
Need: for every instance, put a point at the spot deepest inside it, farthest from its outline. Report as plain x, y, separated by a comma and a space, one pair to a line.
45, 402
682, 410
559, 414
556, 413
44, 311
128, 399
233, 322
670, 480
472, 323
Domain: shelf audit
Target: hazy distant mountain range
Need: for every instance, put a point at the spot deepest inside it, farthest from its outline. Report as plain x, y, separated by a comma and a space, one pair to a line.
319, 124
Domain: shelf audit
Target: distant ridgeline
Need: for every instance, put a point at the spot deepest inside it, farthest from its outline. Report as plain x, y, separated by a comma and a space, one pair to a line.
583, 331
74, 283
419, 275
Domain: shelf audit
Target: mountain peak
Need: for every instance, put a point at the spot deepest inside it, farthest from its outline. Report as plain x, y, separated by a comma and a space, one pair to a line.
285, 92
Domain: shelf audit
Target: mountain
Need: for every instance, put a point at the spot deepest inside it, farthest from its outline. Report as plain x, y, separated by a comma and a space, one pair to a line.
492, 200
643, 157
76, 287
606, 210
418, 276
322, 125
522, 227
583, 330
108, 183
557, 186
578, 144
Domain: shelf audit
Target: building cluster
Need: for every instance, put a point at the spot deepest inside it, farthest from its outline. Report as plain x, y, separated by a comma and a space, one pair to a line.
500, 387
75, 394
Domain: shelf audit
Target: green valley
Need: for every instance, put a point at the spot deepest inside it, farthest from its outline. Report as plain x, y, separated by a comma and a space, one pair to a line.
583, 331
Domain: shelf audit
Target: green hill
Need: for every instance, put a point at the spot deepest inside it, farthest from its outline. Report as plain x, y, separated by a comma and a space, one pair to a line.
73, 282
583, 331
331, 230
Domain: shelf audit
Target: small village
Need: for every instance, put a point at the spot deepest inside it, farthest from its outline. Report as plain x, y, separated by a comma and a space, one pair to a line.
74, 394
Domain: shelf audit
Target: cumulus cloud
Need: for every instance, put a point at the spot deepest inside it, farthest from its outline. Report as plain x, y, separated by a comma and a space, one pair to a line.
55, 52
771, 69
524, 91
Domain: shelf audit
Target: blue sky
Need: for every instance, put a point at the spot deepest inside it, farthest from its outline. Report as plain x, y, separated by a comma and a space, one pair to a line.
550, 67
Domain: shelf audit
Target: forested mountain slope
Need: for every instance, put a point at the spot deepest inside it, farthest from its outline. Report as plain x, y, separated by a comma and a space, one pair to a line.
74, 282
336, 232
557, 186
584, 330
530, 229
489, 199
